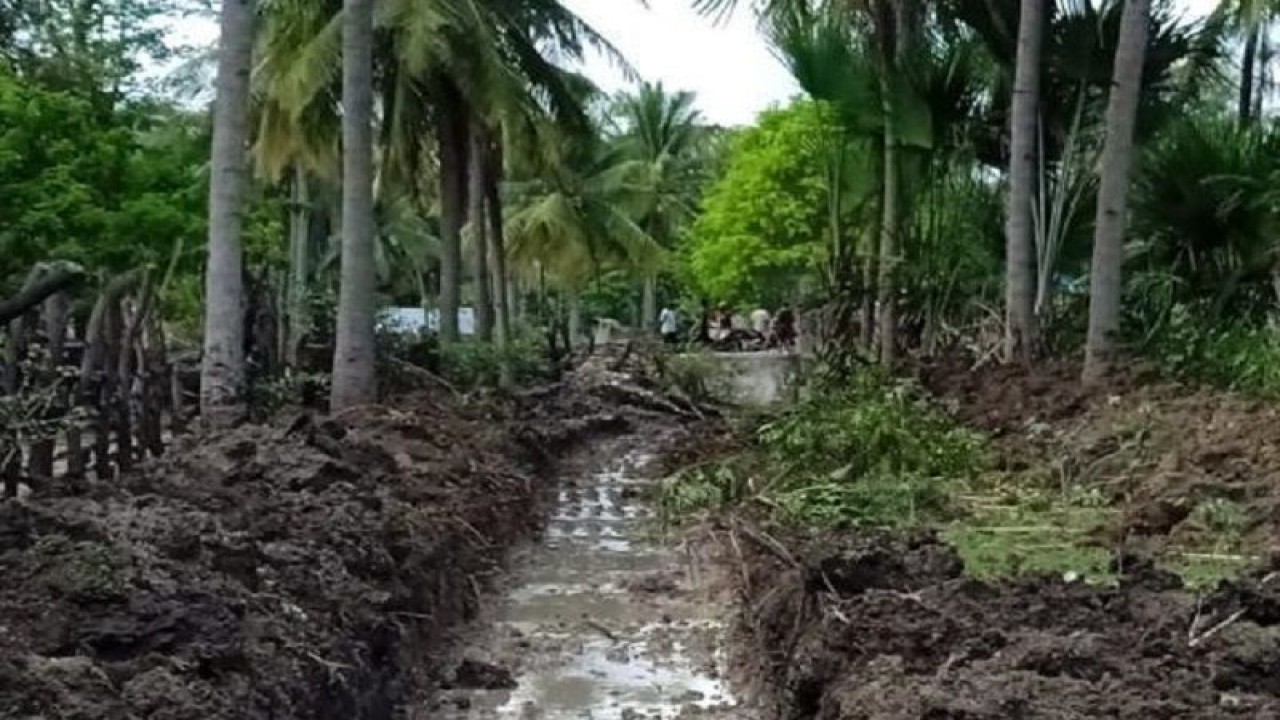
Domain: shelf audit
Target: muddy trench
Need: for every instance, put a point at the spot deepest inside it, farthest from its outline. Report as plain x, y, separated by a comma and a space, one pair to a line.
437, 557
599, 617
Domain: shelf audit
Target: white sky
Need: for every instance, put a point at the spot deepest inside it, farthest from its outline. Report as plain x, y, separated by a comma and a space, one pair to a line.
727, 65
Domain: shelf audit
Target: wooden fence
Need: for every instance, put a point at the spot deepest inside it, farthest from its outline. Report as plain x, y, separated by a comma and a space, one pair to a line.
94, 397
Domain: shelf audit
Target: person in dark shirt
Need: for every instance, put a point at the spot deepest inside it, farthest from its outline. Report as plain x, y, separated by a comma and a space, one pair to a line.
784, 328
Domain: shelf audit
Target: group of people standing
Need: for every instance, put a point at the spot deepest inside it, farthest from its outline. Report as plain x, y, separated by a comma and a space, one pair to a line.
721, 325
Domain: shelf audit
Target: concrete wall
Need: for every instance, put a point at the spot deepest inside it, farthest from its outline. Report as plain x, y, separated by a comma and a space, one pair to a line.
757, 378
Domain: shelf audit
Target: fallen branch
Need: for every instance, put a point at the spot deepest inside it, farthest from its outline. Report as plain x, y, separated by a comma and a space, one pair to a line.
424, 374
1230, 620
769, 543
54, 278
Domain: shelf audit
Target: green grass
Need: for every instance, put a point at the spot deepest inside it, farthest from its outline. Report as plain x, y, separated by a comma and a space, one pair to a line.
1036, 534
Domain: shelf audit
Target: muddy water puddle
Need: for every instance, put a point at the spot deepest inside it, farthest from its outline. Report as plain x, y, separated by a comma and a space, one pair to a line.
600, 620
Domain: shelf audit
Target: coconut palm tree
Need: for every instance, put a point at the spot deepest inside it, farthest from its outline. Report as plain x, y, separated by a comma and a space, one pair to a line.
1251, 19
354, 380
1020, 320
479, 223
1105, 282
574, 219
439, 63
663, 130
222, 373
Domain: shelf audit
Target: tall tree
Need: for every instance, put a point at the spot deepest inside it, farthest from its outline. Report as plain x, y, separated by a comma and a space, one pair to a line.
662, 130
895, 31
479, 233
1105, 275
498, 260
354, 379
1020, 321
1250, 18
222, 373
452, 138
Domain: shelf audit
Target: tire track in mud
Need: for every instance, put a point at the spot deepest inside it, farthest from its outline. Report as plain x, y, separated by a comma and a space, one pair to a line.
599, 620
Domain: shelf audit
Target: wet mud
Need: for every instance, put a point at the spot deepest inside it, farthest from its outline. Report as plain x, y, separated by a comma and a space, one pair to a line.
317, 568
600, 618
866, 625
884, 627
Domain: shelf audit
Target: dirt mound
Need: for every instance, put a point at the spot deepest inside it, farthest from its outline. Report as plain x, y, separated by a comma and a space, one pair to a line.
885, 627
1157, 450
312, 570
1005, 398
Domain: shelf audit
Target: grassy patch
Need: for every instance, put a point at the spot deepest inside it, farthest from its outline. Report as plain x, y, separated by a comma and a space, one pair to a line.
1033, 533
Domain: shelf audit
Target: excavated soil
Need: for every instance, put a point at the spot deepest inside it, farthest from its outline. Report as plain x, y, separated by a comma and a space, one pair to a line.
314, 570
878, 627
1154, 449
887, 626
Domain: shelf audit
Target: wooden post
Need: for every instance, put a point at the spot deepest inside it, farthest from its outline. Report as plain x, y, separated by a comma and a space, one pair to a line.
128, 372
91, 364
56, 309
104, 404
156, 386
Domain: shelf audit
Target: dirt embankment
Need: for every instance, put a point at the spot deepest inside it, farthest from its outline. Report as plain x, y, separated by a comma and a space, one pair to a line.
870, 626
1154, 450
304, 571
877, 627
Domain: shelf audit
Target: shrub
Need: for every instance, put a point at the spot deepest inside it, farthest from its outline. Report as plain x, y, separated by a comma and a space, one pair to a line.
1234, 355
872, 452
475, 364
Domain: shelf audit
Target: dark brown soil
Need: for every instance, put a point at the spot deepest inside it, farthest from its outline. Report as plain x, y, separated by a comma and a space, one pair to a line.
877, 627
313, 570
1155, 449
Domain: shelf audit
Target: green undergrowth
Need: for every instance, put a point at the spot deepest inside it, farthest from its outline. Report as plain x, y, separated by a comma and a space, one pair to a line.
877, 453
1233, 354
870, 453
1030, 531
1015, 530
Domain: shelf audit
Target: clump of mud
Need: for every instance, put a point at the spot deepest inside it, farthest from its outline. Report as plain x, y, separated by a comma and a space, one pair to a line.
885, 627
313, 570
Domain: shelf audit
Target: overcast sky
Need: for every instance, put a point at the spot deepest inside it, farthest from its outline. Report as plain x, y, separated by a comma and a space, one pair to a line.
727, 65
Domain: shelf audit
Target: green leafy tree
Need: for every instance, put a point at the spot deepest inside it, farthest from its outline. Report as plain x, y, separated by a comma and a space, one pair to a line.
761, 230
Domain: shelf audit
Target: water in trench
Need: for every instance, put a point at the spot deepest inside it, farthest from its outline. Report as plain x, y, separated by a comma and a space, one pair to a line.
601, 620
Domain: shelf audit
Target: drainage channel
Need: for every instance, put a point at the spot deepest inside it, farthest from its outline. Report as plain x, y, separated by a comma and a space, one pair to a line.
600, 621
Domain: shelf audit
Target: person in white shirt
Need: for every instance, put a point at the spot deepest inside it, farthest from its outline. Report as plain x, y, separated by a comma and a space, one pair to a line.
760, 322
668, 326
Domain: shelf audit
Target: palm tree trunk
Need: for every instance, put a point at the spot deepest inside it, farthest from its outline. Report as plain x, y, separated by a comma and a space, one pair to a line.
354, 380
1105, 283
299, 267
498, 263
222, 372
452, 134
1020, 320
1244, 109
479, 232
1262, 82
649, 304
575, 319
888, 320
870, 265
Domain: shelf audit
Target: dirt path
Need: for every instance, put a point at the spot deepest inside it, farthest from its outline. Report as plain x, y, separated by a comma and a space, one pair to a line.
599, 621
